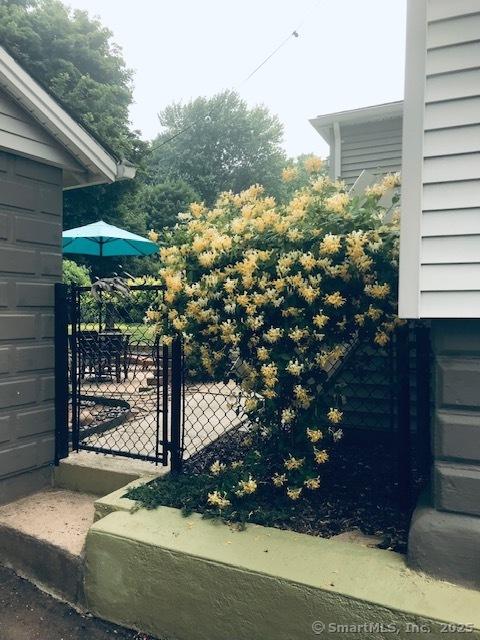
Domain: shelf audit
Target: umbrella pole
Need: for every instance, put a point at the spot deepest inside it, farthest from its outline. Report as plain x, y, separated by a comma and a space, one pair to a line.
101, 301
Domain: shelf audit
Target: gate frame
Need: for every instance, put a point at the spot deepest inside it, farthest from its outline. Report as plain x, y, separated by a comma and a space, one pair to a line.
67, 425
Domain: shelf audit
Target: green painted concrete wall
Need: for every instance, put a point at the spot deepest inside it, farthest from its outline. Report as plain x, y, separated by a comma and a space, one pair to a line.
190, 579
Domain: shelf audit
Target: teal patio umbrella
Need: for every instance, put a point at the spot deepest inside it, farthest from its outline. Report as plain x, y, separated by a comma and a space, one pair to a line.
104, 240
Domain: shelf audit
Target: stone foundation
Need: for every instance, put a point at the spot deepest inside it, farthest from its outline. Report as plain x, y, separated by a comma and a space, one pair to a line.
445, 531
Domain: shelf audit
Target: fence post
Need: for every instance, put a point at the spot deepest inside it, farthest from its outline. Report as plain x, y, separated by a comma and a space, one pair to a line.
403, 416
422, 342
61, 372
176, 407
75, 364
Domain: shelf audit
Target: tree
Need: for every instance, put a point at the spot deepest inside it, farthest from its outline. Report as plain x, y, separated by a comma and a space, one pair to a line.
74, 57
225, 145
159, 204
74, 273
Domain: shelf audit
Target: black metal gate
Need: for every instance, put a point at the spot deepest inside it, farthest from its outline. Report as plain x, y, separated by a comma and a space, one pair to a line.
118, 388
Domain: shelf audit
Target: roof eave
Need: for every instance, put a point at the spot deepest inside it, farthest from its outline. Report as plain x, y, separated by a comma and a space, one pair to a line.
101, 167
373, 113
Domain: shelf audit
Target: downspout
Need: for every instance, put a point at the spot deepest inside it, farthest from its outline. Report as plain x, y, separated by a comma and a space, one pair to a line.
337, 151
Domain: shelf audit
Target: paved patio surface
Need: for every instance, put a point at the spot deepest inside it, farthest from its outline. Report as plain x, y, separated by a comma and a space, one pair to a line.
211, 409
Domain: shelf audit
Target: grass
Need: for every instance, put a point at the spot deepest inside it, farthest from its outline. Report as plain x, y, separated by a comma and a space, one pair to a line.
139, 333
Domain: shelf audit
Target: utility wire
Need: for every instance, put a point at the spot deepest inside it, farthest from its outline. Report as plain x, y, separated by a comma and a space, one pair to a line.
292, 34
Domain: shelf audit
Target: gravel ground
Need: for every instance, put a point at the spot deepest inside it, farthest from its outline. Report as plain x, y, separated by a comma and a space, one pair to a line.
26, 613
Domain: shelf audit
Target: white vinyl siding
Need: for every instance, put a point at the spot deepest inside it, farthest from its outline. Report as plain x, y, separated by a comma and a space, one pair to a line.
449, 182
20, 133
373, 146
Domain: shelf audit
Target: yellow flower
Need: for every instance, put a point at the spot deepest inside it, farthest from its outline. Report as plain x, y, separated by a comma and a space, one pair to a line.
196, 209
269, 374
376, 190
279, 480
262, 354
392, 180
153, 316
338, 202
230, 284
335, 416
285, 262
273, 334
303, 398
374, 313
179, 323
330, 245
307, 261
289, 174
312, 483
217, 467
294, 494
360, 319
216, 499
236, 464
314, 435
251, 404
167, 340
381, 338
153, 235
294, 368
308, 293
321, 456
207, 258
335, 299
269, 393
293, 463
320, 320
246, 486
377, 290
288, 415
313, 164
298, 334
294, 235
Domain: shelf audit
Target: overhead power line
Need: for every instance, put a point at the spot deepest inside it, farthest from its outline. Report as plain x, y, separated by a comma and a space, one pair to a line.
293, 34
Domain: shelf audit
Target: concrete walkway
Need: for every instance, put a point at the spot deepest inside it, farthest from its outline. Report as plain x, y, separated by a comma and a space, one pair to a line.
26, 613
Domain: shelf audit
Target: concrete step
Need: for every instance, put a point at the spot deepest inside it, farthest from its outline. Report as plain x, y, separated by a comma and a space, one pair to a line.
42, 538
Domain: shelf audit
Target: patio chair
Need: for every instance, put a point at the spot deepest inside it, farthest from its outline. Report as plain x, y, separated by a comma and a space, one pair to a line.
113, 351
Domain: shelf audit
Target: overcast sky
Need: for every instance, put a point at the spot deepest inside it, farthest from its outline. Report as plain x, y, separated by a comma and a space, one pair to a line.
349, 53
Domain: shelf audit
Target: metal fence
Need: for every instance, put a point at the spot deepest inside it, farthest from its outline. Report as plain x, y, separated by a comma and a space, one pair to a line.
123, 390
120, 391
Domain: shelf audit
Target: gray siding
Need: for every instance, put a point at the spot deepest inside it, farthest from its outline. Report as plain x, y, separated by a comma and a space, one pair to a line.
20, 133
450, 229
30, 263
375, 147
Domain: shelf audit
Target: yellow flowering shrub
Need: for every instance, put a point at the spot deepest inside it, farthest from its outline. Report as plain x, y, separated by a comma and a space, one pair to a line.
270, 295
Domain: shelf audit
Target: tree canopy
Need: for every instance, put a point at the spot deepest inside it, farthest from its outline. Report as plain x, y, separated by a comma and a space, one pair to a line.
224, 145
158, 205
73, 55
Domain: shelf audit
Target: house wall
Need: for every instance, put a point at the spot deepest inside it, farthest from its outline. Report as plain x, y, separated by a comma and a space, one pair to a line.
375, 147
440, 259
19, 132
30, 263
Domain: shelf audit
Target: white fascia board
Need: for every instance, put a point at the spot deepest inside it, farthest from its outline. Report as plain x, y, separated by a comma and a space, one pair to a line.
353, 116
69, 133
